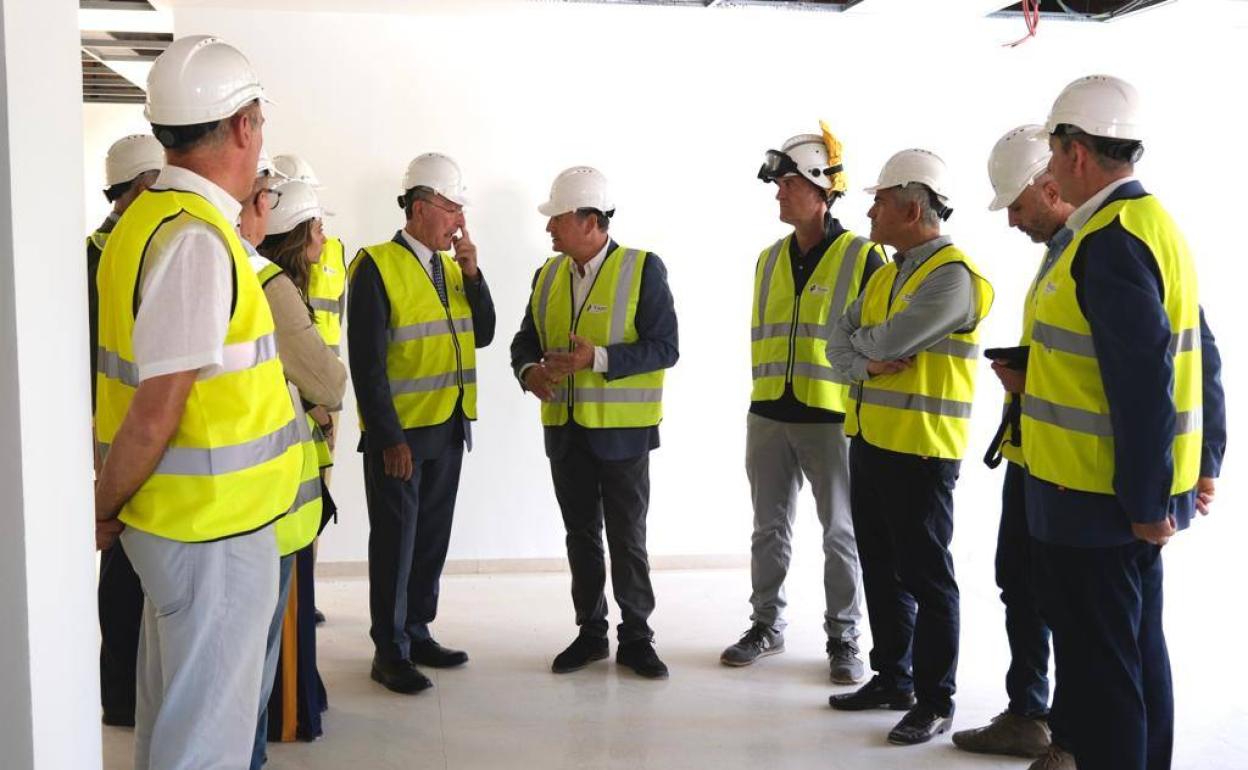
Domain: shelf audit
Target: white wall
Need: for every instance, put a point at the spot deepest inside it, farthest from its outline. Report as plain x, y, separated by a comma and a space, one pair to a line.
677, 106
49, 715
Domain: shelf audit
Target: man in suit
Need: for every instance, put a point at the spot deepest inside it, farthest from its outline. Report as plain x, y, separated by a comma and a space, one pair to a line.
419, 308
599, 330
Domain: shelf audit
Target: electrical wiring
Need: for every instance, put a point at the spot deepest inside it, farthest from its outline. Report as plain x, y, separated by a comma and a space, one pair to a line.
1031, 17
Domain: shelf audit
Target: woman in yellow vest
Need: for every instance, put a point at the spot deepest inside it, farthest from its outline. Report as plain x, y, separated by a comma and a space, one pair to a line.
288, 215
597, 335
910, 344
796, 425
420, 308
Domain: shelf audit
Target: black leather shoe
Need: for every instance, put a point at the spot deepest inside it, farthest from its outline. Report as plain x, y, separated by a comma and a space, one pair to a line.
320, 616
583, 651
873, 695
919, 725
428, 652
399, 676
639, 655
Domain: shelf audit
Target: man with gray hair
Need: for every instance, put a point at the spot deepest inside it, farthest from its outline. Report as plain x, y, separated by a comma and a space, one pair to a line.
909, 344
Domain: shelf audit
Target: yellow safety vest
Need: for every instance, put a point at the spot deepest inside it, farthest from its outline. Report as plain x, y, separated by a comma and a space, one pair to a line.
924, 410
299, 526
607, 317
327, 283
1069, 436
789, 333
1011, 446
233, 464
431, 358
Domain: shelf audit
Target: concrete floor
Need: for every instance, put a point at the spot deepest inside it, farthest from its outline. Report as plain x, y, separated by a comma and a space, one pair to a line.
506, 710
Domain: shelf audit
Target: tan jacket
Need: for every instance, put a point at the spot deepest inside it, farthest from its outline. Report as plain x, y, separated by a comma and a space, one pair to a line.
315, 370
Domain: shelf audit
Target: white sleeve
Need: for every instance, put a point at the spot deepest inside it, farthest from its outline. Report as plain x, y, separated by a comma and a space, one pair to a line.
185, 296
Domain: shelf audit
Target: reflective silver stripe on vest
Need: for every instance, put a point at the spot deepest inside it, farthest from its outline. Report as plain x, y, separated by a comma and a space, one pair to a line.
764, 289
543, 297
955, 348
1184, 341
1063, 340
309, 491
774, 369
814, 331
769, 331
328, 305
1081, 344
188, 461
815, 372
623, 290
843, 279
618, 395
429, 329
911, 401
431, 383
114, 367
1067, 417
1094, 423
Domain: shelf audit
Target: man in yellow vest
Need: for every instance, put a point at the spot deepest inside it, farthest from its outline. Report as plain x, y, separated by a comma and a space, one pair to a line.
419, 309
130, 168
199, 437
910, 343
1022, 186
796, 425
597, 335
1112, 419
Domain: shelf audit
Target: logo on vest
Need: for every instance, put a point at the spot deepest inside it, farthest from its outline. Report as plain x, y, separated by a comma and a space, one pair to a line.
596, 309
1050, 288
816, 288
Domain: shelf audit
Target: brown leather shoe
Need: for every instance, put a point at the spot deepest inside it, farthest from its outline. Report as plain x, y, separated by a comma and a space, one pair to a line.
1054, 759
1009, 734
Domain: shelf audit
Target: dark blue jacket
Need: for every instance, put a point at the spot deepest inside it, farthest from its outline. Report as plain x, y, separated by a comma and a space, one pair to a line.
368, 320
1119, 289
656, 348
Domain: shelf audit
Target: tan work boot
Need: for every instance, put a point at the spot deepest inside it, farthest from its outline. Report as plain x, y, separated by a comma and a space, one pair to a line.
1007, 734
1055, 759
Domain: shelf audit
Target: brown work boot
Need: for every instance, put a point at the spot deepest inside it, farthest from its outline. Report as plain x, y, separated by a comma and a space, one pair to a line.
1055, 759
1007, 734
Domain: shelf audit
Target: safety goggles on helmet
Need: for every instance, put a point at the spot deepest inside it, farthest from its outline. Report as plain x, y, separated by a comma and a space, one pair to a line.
777, 164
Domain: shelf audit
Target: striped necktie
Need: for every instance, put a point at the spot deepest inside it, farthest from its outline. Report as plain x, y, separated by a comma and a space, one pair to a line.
439, 282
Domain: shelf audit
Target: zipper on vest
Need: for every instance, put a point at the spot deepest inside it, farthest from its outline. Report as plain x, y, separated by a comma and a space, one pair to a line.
576, 324
797, 308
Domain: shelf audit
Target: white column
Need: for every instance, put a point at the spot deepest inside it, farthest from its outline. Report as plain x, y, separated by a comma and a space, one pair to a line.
49, 675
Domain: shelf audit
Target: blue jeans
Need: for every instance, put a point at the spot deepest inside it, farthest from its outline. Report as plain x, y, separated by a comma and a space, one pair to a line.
1027, 681
258, 754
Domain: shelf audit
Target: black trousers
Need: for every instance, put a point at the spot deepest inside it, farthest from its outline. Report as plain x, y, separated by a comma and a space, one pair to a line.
592, 492
1027, 681
409, 531
120, 597
903, 518
1114, 705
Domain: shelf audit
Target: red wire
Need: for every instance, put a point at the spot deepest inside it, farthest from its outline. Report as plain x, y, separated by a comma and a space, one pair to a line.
1031, 17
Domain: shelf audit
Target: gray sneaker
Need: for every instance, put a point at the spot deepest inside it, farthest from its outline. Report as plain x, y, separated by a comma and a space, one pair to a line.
1055, 759
1009, 734
758, 642
846, 666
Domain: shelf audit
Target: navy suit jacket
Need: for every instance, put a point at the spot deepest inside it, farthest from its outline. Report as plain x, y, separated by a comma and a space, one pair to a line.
656, 348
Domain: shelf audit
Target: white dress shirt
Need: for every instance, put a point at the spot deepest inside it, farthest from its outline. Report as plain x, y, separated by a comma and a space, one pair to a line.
186, 290
424, 254
1080, 216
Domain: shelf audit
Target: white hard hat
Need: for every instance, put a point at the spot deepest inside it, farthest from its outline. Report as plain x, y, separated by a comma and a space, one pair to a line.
1100, 105
132, 155
1017, 160
914, 166
579, 187
437, 172
296, 203
816, 157
199, 79
291, 166
264, 166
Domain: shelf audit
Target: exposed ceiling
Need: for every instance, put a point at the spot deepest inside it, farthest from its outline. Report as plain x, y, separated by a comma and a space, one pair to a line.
119, 41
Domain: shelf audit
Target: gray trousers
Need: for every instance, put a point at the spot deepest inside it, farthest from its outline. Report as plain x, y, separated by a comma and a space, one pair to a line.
206, 612
777, 457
